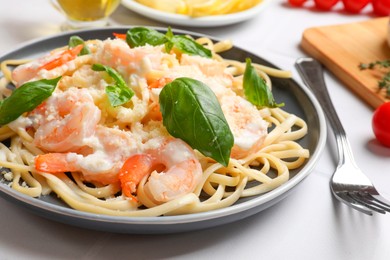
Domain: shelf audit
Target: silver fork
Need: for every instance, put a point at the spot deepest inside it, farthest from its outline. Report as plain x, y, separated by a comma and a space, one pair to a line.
348, 183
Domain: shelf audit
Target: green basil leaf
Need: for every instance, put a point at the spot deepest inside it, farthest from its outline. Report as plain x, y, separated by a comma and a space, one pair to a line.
169, 44
256, 90
169, 33
119, 93
140, 36
116, 96
75, 41
25, 98
189, 46
192, 113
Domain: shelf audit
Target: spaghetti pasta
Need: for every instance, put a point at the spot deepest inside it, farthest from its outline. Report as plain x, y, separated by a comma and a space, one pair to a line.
77, 145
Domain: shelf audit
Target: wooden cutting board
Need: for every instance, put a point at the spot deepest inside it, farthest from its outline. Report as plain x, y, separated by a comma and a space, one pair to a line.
341, 48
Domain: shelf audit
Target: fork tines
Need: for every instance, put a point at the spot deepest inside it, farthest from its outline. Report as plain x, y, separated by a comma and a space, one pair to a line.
373, 202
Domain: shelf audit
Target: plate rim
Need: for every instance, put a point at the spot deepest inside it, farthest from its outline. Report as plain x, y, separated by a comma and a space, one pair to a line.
177, 219
184, 20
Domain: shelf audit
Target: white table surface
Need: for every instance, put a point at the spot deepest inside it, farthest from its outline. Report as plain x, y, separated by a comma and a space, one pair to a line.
308, 224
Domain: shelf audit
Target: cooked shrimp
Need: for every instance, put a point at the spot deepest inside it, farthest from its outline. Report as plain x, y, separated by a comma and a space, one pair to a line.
173, 171
246, 123
117, 54
29, 71
209, 67
110, 148
65, 120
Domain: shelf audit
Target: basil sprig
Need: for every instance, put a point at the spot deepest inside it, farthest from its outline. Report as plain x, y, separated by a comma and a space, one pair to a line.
75, 41
256, 90
119, 93
185, 45
26, 98
140, 36
192, 113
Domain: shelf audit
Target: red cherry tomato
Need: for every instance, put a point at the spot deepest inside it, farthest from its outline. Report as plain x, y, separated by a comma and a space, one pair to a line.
381, 7
381, 123
325, 4
296, 2
355, 6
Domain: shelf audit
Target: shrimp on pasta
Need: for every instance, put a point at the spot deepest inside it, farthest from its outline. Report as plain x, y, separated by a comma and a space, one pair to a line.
146, 124
65, 120
180, 171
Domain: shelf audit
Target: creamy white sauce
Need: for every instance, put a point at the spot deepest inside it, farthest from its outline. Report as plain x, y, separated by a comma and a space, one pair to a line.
21, 122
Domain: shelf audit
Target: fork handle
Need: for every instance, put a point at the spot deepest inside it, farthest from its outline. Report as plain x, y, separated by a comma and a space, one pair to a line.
312, 74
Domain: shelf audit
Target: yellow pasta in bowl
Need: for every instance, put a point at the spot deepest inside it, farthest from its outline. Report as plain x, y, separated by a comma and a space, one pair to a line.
199, 13
200, 8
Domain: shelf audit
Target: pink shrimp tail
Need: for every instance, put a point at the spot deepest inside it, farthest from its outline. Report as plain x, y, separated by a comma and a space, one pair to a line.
133, 170
53, 163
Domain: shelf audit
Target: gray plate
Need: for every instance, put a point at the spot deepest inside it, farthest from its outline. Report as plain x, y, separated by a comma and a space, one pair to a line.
298, 100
